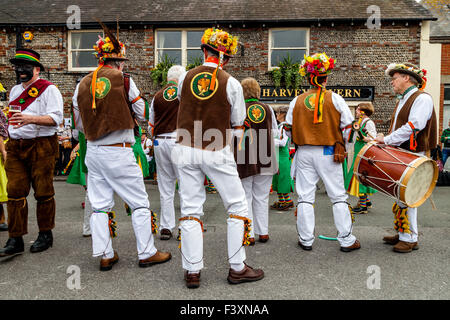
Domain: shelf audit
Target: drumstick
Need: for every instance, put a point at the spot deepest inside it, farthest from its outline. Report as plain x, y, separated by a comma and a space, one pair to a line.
433, 205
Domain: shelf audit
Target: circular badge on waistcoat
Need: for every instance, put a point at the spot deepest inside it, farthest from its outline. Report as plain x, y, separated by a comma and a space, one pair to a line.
102, 87
256, 113
200, 86
170, 93
310, 101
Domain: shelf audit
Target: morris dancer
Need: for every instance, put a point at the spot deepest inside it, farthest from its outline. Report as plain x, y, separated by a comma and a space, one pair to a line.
413, 127
256, 159
318, 117
282, 182
102, 112
211, 103
32, 151
365, 132
163, 120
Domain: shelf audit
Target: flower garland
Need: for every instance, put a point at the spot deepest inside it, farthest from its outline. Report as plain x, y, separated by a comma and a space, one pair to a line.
220, 40
401, 66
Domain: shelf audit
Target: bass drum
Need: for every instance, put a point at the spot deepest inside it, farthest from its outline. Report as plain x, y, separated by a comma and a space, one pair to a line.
398, 173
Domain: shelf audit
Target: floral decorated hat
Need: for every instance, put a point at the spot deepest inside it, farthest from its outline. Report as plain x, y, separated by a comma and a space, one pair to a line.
410, 69
109, 47
220, 41
318, 65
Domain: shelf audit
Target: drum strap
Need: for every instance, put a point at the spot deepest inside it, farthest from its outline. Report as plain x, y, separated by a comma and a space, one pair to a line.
412, 137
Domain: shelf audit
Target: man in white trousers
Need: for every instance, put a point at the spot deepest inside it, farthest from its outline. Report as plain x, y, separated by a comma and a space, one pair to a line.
211, 103
413, 127
316, 119
163, 120
256, 158
108, 124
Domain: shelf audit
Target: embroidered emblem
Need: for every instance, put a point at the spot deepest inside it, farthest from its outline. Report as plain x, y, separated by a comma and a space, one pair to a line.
310, 101
200, 86
102, 87
21, 101
170, 93
256, 113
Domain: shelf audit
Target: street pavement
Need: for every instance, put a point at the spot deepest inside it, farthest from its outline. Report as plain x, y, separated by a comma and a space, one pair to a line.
67, 271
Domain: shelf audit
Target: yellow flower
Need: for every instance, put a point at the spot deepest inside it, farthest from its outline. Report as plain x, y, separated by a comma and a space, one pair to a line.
33, 92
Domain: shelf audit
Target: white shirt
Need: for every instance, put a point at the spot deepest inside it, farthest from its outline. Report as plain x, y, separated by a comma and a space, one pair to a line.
235, 97
421, 111
49, 103
340, 105
117, 136
281, 138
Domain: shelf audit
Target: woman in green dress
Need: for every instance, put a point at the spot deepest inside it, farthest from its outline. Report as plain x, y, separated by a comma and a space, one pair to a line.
357, 140
282, 182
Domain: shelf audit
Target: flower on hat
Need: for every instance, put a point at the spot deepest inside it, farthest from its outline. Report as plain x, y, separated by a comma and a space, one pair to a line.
318, 64
105, 47
220, 40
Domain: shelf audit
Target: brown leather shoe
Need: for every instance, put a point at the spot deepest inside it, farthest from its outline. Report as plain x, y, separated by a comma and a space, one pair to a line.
405, 247
192, 280
393, 240
166, 234
107, 264
355, 246
158, 257
263, 238
248, 274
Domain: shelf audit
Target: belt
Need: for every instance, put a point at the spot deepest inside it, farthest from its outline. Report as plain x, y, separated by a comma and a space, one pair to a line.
164, 137
123, 144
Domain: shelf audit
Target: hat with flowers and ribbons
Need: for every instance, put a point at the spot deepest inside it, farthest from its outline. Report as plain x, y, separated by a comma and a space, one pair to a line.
313, 67
223, 43
409, 69
27, 56
108, 48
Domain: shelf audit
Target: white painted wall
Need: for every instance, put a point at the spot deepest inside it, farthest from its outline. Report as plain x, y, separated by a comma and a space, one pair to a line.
430, 60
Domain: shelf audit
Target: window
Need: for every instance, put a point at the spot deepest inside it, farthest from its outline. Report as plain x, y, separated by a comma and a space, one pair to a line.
446, 106
81, 50
182, 46
287, 42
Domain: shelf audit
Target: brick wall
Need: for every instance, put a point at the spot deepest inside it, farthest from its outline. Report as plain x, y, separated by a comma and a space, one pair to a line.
361, 56
445, 71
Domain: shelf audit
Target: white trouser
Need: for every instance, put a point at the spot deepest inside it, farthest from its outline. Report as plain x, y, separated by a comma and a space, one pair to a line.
114, 169
167, 177
193, 164
87, 212
257, 189
312, 164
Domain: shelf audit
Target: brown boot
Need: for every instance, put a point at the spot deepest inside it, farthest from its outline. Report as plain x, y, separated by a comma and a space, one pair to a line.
107, 264
248, 274
393, 240
192, 279
356, 245
405, 247
158, 257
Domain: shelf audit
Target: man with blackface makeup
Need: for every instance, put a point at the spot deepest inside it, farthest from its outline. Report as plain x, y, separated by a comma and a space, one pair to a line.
32, 151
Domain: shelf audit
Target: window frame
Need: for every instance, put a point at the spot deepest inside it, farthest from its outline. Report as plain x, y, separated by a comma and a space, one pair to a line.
307, 40
184, 48
70, 50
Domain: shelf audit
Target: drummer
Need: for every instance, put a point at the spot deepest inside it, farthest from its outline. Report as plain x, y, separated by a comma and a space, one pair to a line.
413, 127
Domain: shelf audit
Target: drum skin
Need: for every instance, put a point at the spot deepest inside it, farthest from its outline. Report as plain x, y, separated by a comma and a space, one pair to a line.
404, 175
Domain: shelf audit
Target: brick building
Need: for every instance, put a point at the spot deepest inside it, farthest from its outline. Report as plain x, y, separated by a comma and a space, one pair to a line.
269, 30
440, 34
